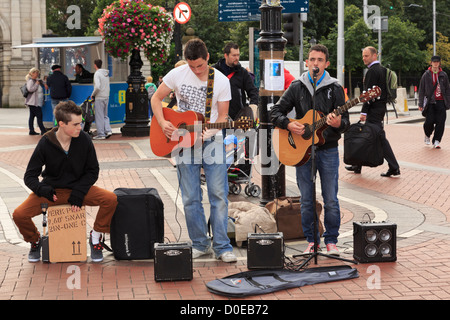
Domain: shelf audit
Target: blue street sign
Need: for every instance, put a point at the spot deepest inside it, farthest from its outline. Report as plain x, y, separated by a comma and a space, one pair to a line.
248, 10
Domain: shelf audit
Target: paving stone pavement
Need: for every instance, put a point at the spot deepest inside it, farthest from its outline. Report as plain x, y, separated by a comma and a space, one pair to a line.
418, 202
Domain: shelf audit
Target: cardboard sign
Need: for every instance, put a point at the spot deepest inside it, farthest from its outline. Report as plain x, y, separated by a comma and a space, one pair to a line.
66, 234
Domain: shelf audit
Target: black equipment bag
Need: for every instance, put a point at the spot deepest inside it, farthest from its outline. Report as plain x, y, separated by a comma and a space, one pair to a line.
265, 281
362, 145
137, 223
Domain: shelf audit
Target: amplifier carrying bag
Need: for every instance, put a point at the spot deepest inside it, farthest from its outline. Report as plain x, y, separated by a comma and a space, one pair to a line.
137, 224
265, 281
362, 145
289, 218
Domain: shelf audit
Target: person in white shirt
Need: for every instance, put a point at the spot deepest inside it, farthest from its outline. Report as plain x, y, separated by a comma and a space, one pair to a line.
101, 96
189, 82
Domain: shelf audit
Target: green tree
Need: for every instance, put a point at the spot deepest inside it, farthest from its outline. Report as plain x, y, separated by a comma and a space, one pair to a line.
400, 47
442, 49
356, 36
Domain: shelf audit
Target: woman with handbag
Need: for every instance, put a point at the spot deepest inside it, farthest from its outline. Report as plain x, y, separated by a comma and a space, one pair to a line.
35, 100
434, 101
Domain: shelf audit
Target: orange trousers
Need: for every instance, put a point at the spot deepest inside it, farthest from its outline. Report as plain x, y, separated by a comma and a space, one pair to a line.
31, 207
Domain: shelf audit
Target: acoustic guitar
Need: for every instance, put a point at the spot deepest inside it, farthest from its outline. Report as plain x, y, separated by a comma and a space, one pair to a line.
295, 150
190, 125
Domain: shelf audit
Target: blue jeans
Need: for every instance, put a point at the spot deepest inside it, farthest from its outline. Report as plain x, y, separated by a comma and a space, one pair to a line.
327, 163
211, 156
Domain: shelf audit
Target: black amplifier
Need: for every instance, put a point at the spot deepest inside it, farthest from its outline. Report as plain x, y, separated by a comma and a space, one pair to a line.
374, 241
265, 251
173, 261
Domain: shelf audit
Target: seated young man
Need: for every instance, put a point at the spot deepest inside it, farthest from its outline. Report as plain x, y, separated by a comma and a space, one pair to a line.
71, 169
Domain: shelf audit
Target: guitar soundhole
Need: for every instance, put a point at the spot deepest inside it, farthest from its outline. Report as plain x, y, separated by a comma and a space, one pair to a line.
307, 135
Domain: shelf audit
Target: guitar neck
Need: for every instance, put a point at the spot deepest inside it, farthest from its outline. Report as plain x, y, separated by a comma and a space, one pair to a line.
338, 111
216, 125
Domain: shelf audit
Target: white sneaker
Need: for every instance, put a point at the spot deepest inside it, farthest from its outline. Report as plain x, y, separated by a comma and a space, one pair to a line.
197, 253
436, 144
427, 141
99, 138
228, 256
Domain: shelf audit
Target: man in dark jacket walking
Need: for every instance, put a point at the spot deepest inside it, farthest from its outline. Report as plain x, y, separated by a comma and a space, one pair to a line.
374, 111
71, 169
329, 96
242, 86
438, 101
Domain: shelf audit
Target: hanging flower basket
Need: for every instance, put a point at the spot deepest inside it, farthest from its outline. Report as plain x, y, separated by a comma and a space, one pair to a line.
134, 24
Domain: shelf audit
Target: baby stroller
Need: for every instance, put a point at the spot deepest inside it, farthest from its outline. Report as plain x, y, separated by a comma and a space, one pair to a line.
240, 157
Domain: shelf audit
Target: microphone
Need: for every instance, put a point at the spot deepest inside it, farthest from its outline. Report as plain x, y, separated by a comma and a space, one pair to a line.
316, 70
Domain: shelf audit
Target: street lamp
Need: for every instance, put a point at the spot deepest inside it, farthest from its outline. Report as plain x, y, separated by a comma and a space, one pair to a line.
312, 41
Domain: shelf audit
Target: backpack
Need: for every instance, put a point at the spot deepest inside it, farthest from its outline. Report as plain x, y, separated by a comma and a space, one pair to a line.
391, 85
150, 91
24, 90
87, 110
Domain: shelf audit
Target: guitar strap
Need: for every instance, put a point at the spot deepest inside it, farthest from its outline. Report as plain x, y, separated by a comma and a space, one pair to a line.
209, 93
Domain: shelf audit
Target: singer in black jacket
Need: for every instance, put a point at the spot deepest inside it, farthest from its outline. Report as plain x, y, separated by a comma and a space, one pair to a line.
374, 111
329, 96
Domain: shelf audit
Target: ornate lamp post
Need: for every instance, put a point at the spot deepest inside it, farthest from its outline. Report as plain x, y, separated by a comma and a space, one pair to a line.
136, 101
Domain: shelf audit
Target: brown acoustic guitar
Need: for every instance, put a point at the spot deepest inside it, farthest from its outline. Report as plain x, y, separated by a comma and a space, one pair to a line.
295, 150
190, 125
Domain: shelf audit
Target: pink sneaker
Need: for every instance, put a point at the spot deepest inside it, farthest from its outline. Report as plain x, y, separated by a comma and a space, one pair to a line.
310, 248
332, 249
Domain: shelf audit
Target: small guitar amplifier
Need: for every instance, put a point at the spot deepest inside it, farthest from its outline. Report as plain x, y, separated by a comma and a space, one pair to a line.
173, 261
265, 251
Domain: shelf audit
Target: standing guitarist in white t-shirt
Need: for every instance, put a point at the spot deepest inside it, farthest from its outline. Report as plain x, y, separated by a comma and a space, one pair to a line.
190, 84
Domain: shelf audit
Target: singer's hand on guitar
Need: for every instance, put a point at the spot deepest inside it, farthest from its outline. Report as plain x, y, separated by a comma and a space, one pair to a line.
296, 127
208, 133
334, 120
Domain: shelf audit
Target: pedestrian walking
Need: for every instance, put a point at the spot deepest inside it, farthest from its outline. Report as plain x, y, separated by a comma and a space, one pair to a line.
374, 111
434, 97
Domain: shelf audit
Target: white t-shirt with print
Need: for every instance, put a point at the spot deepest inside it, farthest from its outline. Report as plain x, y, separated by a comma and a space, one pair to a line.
191, 91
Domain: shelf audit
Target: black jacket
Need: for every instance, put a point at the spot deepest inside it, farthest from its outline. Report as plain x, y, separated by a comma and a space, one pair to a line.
426, 86
241, 84
60, 87
329, 96
375, 110
78, 170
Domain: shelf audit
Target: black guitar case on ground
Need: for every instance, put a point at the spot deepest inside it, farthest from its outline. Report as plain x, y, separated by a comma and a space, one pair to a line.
265, 281
362, 145
137, 224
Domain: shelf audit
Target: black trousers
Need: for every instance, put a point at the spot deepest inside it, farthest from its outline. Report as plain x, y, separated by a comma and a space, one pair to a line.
35, 112
435, 120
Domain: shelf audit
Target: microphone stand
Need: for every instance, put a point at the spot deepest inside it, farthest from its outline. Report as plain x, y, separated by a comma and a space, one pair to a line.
315, 253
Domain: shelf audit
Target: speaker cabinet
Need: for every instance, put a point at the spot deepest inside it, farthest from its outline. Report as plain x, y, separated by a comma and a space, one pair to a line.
173, 261
374, 241
265, 251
